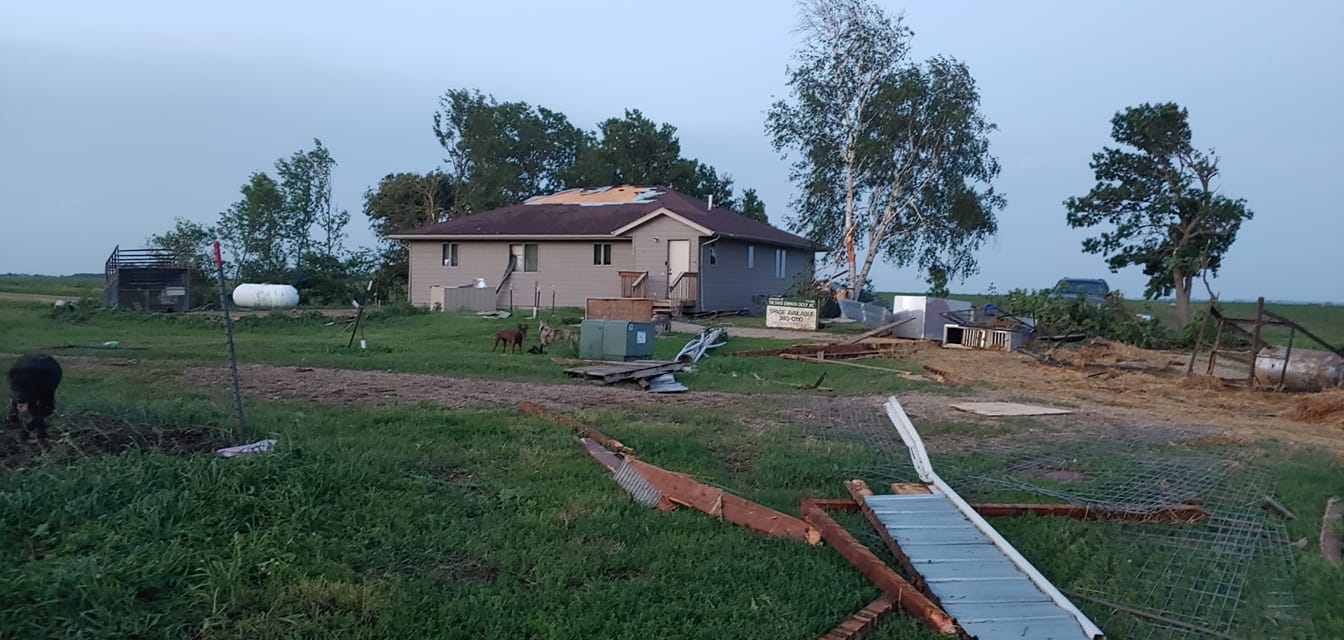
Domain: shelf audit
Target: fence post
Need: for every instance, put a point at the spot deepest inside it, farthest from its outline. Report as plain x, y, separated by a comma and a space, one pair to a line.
1255, 340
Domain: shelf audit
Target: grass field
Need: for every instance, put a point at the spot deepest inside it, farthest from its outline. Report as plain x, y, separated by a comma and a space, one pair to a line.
417, 520
83, 287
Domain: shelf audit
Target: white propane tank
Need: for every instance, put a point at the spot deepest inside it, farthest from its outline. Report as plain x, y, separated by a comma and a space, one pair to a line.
266, 296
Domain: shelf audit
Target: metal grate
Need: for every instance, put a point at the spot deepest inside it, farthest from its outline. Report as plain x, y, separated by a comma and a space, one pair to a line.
1230, 575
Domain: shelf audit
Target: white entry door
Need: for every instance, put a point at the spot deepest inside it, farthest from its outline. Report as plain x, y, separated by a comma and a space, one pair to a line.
678, 260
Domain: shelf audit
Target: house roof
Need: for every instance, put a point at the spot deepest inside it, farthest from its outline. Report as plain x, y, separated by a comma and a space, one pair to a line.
602, 212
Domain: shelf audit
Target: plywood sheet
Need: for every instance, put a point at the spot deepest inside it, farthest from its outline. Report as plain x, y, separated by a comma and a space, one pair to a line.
1007, 409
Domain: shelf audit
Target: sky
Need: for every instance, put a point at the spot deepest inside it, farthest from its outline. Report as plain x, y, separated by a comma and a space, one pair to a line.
115, 118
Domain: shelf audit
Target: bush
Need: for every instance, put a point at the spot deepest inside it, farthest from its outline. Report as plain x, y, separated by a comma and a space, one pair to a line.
74, 312
1110, 319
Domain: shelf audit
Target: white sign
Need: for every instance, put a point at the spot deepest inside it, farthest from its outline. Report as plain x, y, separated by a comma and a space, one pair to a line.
791, 313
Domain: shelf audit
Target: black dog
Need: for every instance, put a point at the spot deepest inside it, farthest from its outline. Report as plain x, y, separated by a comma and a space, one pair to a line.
32, 390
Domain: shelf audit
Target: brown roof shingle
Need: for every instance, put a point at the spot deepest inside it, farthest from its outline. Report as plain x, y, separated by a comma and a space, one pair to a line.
599, 212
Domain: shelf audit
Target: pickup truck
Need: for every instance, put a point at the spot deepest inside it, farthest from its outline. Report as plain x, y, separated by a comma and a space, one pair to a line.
1089, 289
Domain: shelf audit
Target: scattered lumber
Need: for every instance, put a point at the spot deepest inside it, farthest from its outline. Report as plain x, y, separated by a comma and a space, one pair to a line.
881, 575
814, 386
830, 349
1183, 513
862, 622
898, 372
683, 490
1331, 525
878, 331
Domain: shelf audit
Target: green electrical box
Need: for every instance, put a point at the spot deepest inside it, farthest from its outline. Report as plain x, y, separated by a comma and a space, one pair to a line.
615, 340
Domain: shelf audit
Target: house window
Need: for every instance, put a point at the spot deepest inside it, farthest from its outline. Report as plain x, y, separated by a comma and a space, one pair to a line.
781, 262
524, 253
713, 256
751, 256
602, 254
450, 254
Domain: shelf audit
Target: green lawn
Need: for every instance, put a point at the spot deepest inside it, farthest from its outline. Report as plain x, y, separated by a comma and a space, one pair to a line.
442, 343
415, 520
90, 287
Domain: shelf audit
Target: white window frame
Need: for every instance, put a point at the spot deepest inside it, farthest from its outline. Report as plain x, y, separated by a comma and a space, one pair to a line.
751, 256
781, 263
450, 257
536, 261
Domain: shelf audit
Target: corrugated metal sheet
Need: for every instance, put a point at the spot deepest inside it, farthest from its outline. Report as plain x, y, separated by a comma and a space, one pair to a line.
988, 595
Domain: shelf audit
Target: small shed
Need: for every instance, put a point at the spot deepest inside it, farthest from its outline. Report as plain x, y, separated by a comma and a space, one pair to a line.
146, 280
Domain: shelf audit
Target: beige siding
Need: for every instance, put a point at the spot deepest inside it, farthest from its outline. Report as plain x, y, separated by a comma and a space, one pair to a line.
730, 284
565, 267
650, 250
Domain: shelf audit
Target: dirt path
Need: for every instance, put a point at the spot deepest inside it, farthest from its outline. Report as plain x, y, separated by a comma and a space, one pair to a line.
35, 297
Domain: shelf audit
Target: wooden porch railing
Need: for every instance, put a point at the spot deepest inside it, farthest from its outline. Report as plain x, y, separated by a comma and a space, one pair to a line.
634, 284
685, 287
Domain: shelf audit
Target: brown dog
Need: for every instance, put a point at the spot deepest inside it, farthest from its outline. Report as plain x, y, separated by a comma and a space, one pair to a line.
510, 338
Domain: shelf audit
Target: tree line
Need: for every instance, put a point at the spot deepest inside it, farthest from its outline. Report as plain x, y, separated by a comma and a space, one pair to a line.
890, 158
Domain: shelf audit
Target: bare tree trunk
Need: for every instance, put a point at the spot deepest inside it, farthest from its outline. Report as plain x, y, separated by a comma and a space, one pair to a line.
1182, 283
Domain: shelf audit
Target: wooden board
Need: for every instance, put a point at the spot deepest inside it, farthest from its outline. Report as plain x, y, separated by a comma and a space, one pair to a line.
609, 372
682, 489
997, 409
862, 622
632, 309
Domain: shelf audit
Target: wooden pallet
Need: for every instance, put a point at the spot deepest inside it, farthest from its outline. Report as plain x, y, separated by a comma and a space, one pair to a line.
609, 372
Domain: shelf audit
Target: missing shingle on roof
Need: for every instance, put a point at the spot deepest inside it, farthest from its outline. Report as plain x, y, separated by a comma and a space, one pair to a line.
623, 194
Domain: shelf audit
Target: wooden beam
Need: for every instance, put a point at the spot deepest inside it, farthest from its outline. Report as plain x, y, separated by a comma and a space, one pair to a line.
885, 578
583, 431
882, 329
1187, 513
859, 625
1331, 524
899, 372
843, 504
682, 489
908, 488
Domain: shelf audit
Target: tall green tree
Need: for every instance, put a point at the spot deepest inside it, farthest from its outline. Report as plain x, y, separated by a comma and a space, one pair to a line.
305, 181
404, 201
256, 230
752, 206
891, 156
1156, 198
628, 150
501, 153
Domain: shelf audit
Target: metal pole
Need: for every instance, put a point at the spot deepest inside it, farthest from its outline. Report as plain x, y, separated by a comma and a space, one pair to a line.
1287, 356
239, 434
1255, 340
